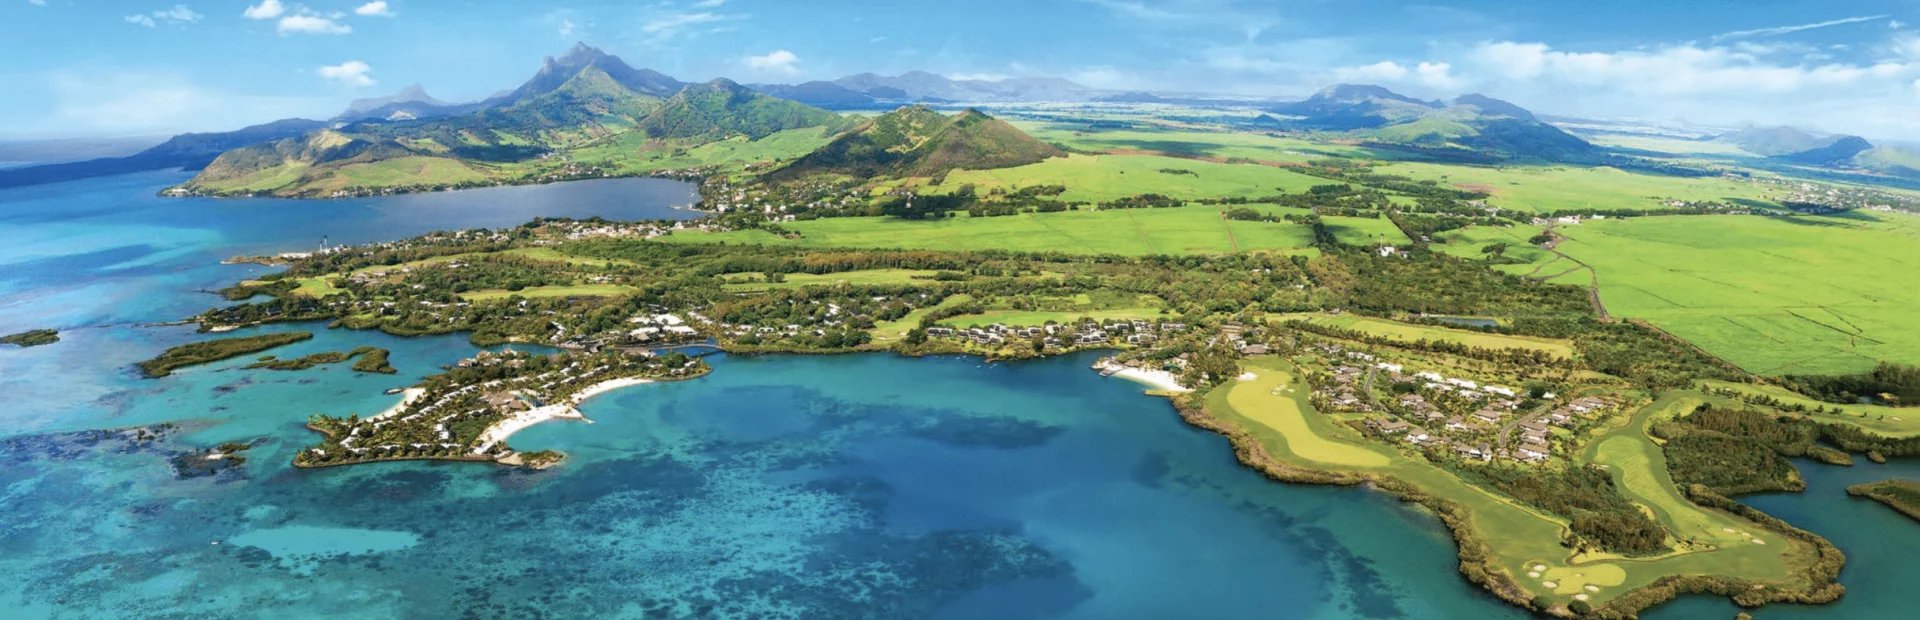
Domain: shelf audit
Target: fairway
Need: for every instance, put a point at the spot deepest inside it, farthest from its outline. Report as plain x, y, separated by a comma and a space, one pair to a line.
1409, 332
1275, 399
1128, 232
1804, 295
1524, 543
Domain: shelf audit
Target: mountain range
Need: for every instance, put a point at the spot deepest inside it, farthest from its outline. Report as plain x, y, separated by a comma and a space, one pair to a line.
1471, 126
1795, 146
588, 113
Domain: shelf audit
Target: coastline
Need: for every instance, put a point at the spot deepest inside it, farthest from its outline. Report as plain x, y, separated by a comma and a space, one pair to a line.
1158, 379
500, 431
409, 396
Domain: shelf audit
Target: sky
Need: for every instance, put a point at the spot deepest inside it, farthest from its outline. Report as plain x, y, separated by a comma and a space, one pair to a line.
148, 67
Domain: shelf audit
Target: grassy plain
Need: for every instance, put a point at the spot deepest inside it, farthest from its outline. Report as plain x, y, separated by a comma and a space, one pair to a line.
1103, 178
1804, 295
1557, 188
1130, 232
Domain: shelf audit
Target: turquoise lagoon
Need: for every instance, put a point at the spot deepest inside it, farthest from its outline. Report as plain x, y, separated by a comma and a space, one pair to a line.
778, 486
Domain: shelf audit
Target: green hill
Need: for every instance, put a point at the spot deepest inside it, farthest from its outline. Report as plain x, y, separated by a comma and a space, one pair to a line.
917, 141
1477, 126
721, 109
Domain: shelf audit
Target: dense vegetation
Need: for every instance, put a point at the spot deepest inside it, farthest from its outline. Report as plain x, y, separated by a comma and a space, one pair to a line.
195, 353
1599, 516
1888, 383
31, 338
1901, 495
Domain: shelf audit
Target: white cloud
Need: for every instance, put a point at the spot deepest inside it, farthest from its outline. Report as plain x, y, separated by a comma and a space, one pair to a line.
377, 8
37, 2
673, 23
708, 4
352, 73
267, 9
178, 15
1383, 71
777, 61
1102, 77
1780, 30
566, 27
877, 40
310, 23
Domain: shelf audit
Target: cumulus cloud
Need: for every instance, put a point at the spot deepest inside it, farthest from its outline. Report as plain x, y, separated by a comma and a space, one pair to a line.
267, 9
179, 15
310, 23
352, 73
377, 8
776, 61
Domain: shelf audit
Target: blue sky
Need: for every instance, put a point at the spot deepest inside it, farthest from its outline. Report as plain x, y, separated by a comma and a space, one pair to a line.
89, 67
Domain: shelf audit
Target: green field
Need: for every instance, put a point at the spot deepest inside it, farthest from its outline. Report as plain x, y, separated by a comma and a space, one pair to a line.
580, 290
1102, 178
744, 282
632, 153
1409, 332
1806, 295
1556, 188
1194, 143
1131, 232
1524, 543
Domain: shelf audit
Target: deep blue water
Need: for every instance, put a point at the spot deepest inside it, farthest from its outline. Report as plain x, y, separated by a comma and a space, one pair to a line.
848, 486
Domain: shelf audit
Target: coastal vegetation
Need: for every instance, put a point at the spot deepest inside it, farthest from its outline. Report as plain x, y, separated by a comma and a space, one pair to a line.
204, 352
369, 359
1901, 495
31, 338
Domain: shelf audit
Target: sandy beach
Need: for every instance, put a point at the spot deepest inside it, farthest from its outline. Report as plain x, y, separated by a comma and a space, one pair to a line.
503, 429
409, 395
1158, 379
606, 386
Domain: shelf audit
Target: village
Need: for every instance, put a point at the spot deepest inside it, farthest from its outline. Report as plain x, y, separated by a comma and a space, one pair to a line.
1466, 418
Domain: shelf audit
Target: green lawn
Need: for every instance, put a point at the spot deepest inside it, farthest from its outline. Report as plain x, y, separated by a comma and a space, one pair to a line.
1132, 232
1773, 295
1030, 318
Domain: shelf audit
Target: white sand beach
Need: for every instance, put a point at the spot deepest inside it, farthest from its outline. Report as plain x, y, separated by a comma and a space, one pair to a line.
1158, 379
409, 395
606, 386
503, 429
515, 423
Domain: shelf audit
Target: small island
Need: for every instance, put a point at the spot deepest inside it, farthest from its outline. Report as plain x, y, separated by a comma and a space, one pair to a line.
196, 353
468, 412
370, 359
31, 338
1901, 495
